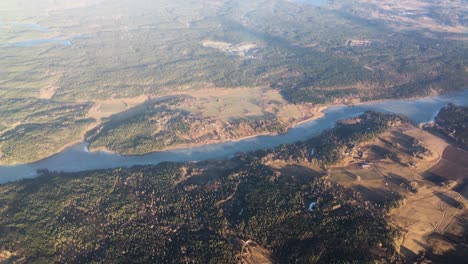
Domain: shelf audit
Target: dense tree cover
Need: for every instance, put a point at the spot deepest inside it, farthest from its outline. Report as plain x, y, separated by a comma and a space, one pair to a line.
145, 215
330, 146
452, 121
198, 213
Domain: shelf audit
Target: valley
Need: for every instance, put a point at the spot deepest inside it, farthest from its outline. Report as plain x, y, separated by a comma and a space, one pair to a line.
233, 131
217, 53
255, 206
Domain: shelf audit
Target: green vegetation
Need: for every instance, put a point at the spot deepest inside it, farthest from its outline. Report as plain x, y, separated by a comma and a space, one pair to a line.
32, 142
154, 52
33, 110
333, 143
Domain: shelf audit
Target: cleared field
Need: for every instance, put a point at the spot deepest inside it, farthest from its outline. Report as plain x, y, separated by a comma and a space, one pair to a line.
453, 166
430, 214
252, 253
405, 150
105, 108
244, 102
426, 214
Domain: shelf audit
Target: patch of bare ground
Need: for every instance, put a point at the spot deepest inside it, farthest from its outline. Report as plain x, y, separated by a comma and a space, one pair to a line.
423, 177
245, 102
242, 49
7, 257
426, 216
452, 166
105, 108
48, 92
253, 253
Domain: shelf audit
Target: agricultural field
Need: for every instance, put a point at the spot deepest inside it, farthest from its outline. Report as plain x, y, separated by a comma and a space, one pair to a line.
423, 180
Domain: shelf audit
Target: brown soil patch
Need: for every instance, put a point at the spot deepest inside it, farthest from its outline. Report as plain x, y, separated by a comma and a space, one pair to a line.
453, 166
252, 253
425, 218
48, 92
6, 257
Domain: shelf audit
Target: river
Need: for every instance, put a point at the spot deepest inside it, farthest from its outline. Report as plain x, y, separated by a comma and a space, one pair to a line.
35, 42
314, 2
77, 158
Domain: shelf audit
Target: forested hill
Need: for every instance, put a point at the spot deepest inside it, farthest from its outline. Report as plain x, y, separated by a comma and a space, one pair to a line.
452, 121
209, 212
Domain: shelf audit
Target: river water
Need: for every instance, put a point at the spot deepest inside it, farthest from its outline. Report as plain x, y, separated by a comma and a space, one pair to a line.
35, 42
77, 158
314, 2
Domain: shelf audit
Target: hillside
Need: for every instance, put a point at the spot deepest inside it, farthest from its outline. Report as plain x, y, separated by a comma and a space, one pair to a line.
210, 212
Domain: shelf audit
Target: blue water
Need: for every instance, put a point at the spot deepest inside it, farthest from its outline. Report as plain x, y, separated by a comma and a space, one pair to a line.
314, 2
78, 158
36, 42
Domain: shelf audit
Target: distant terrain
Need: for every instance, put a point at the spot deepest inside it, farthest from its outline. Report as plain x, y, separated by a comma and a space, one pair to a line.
99, 70
366, 191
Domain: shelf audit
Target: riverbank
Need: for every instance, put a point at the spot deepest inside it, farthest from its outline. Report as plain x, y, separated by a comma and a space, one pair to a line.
82, 140
77, 158
318, 113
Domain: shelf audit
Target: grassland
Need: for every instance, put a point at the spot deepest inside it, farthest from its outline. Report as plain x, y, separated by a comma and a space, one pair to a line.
32, 142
